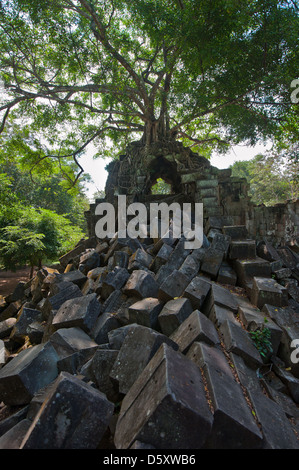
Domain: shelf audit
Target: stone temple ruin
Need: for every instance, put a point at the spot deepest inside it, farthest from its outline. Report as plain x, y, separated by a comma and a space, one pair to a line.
144, 344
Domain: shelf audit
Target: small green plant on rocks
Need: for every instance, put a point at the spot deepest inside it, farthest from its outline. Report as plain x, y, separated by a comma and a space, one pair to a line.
261, 338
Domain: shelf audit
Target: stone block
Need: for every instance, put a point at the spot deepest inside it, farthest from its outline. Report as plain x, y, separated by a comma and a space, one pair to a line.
236, 232
237, 340
98, 370
277, 431
7, 423
145, 312
242, 249
141, 284
247, 269
140, 260
6, 327
220, 296
227, 275
54, 302
89, 260
105, 323
80, 312
190, 267
67, 341
202, 354
25, 317
74, 416
121, 259
197, 290
253, 319
166, 407
10, 311
173, 314
31, 370
173, 286
221, 243
212, 262
114, 280
234, 426
14, 437
76, 277
197, 327
71, 255
268, 291
219, 315
137, 349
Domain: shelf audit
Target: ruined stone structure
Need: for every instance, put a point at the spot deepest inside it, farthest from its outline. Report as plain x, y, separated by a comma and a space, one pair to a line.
225, 198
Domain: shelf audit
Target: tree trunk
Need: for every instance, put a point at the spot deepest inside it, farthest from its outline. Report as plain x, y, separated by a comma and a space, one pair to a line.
156, 130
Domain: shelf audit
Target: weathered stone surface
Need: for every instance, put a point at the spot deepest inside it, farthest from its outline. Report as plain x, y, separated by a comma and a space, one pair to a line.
175, 261
6, 327
220, 296
75, 416
138, 348
202, 354
227, 275
80, 312
10, 311
14, 437
76, 276
145, 312
141, 284
54, 302
284, 401
236, 232
7, 423
71, 255
197, 291
35, 332
139, 260
166, 407
105, 323
291, 382
197, 327
242, 249
98, 370
29, 371
117, 337
190, 267
212, 262
18, 293
114, 280
233, 426
237, 340
247, 269
67, 341
221, 243
253, 319
89, 260
173, 286
268, 291
25, 317
173, 314
276, 428
219, 315
74, 362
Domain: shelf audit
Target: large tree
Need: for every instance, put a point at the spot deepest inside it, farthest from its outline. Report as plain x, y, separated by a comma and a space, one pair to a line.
208, 73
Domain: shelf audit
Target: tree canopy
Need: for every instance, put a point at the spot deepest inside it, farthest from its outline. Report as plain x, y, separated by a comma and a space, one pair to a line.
81, 71
272, 178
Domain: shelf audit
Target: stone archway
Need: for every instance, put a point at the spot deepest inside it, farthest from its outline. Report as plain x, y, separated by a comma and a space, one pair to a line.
160, 167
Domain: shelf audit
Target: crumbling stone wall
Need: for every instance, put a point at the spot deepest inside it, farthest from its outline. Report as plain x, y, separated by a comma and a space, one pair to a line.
193, 179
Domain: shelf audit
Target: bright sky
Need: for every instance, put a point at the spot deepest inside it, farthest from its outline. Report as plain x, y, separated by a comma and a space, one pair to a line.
96, 168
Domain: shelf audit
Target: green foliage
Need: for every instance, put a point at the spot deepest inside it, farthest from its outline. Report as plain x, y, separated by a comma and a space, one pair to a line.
161, 187
36, 235
108, 71
272, 178
261, 338
19, 246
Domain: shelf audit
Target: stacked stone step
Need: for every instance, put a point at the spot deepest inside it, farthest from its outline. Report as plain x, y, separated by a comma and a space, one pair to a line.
148, 324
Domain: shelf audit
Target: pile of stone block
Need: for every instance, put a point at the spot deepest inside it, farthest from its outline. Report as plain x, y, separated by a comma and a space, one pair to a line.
146, 344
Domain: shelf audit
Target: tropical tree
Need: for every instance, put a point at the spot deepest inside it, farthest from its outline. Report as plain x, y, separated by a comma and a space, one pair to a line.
273, 179
81, 71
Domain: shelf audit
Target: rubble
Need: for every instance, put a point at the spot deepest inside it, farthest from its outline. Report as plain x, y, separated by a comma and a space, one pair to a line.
148, 345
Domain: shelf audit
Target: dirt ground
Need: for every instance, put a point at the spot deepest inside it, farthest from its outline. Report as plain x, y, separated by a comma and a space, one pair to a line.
9, 279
